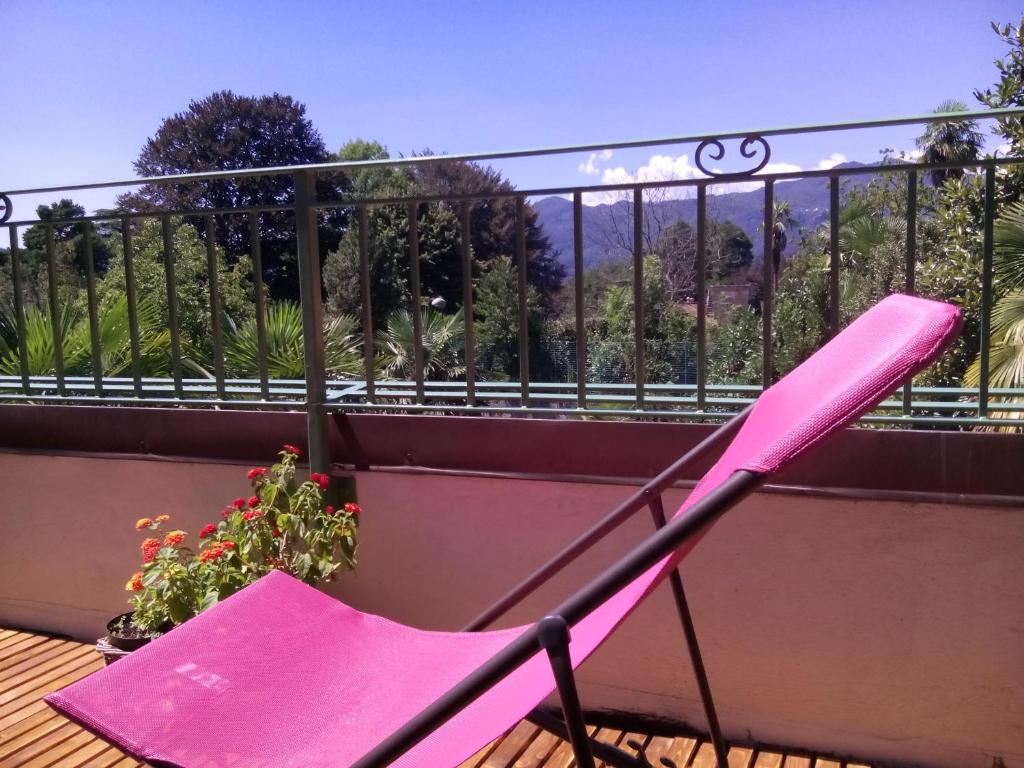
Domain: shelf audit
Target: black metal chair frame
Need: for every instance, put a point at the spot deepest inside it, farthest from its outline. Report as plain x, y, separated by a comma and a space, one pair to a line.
552, 633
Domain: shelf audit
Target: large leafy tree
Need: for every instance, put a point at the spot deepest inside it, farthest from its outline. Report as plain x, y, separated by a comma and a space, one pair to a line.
227, 132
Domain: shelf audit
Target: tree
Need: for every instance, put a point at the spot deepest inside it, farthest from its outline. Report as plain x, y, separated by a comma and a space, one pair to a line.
783, 220
728, 250
950, 141
388, 244
493, 221
496, 318
226, 132
192, 280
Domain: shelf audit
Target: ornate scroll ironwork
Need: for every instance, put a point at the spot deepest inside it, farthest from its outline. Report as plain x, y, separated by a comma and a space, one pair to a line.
6, 208
716, 151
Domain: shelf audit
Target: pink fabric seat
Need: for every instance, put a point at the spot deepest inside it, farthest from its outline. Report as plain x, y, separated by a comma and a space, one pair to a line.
282, 675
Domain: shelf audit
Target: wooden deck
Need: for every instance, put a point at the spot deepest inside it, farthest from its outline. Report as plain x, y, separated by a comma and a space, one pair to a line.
34, 736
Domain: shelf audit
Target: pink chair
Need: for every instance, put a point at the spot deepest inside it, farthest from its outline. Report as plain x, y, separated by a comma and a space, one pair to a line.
283, 675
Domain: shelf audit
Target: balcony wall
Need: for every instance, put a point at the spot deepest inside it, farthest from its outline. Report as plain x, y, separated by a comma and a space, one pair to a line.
882, 622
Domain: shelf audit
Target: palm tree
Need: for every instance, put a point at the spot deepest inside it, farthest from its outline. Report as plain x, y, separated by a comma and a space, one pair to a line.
1006, 348
442, 343
952, 141
783, 217
76, 341
285, 356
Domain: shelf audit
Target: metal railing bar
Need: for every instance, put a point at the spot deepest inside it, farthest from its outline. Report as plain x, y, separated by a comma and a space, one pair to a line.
96, 353
879, 168
702, 299
183, 212
133, 308
172, 303
256, 254
986, 291
19, 310
639, 371
469, 343
768, 289
56, 326
524, 333
833, 259
213, 280
578, 285
417, 304
522, 153
364, 285
910, 270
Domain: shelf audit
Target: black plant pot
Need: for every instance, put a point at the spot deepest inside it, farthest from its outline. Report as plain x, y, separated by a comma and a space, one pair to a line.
122, 633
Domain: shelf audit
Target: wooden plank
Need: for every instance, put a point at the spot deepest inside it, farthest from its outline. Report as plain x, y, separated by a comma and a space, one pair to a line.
21, 645
16, 637
89, 756
42, 746
796, 762
512, 746
80, 740
823, 763
540, 749
769, 760
16, 667
20, 708
44, 666
476, 759
562, 756
635, 737
116, 758
32, 684
678, 749
27, 736
741, 757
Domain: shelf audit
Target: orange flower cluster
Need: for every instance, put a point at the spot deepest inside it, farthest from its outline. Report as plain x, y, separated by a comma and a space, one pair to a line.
135, 582
143, 522
174, 538
216, 551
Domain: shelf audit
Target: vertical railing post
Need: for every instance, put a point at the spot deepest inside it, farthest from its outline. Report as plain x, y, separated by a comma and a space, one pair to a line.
581, 330
702, 303
639, 369
768, 291
833, 256
910, 267
524, 310
986, 290
19, 313
310, 294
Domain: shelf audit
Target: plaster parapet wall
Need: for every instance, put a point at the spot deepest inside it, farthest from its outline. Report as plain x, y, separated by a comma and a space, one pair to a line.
885, 629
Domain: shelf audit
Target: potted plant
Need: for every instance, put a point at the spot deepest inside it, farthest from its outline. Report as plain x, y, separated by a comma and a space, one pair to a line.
284, 525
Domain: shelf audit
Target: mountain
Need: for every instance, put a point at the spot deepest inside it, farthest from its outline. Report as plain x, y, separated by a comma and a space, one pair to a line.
808, 200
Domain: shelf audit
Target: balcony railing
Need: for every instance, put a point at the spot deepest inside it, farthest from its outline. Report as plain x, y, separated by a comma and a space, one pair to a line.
691, 397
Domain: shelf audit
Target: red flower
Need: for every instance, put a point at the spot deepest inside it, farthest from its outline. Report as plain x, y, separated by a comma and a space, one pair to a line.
254, 501
286, 448
352, 508
135, 582
322, 480
149, 549
174, 538
227, 511
208, 530
252, 474
329, 510
238, 503
252, 514
143, 522
228, 544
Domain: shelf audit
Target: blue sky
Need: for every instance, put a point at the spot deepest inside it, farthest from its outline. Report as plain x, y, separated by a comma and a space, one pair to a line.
86, 83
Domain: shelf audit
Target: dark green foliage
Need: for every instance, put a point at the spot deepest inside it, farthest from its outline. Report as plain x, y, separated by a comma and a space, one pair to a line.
229, 132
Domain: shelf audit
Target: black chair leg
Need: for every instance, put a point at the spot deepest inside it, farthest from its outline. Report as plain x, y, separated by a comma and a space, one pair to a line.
554, 638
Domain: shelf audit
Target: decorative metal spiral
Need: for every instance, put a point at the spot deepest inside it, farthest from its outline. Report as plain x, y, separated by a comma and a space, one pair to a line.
6, 208
748, 149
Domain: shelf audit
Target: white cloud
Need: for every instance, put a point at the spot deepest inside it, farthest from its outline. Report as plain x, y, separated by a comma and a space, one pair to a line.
831, 161
590, 167
1004, 150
